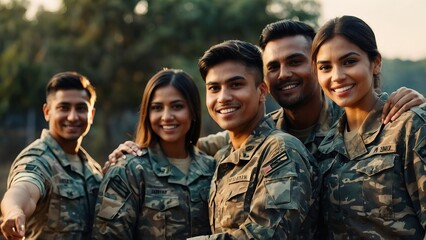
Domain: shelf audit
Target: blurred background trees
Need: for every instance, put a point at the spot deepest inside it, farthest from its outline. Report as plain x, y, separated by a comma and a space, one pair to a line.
119, 45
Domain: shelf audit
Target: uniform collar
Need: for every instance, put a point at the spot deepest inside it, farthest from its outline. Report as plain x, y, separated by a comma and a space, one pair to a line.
163, 168
249, 147
57, 150
329, 114
62, 158
368, 132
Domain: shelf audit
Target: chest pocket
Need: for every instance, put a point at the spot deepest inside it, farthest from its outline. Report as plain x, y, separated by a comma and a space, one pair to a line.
159, 208
233, 209
68, 207
378, 176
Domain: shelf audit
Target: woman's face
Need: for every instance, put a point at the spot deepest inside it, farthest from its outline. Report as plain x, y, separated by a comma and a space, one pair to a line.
170, 116
345, 73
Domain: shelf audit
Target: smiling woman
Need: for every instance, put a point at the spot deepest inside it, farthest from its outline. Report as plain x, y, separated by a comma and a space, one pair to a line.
162, 193
373, 183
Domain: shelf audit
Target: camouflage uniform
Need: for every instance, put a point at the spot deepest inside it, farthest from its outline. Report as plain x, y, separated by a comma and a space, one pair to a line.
66, 207
379, 193
147, 197
330, 113
264, 189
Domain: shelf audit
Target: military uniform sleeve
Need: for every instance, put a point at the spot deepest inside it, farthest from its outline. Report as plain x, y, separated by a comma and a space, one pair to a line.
415, 172
213, 142
118, 204
30, 168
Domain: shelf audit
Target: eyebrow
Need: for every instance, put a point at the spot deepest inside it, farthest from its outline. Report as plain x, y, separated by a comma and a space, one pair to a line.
172, 102
289, 57
232, 79
341, 57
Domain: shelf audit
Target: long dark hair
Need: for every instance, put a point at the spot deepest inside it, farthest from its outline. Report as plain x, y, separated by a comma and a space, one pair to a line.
182, 82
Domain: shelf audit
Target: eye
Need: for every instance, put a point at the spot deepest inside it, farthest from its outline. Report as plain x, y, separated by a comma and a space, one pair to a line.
213, 88
324, 67
82, 108
294, 63
62, 108
236, 84
178, 106
350, 61
273, 67
156, 107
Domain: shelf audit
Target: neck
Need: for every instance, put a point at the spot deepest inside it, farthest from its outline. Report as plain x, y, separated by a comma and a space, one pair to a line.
357, 114
239, 137
306, 115
174, 150
70, 147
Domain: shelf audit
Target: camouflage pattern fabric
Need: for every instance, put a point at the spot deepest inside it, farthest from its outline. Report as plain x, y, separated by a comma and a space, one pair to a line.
379, 193
329, 115
66, 207
266, 189
148, 198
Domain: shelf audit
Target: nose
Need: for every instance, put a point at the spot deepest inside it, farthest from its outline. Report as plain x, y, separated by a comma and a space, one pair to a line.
284, 72
72, 115
167, 115
337, 74
224, 96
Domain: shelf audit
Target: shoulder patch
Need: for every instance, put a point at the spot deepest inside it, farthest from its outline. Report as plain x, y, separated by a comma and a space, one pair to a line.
118, 185
25, 167
275, 164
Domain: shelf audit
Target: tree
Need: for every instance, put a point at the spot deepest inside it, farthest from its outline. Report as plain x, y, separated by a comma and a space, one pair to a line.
120, 44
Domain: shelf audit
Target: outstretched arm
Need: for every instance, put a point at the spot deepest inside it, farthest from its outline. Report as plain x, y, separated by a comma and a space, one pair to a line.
399, 102
19, 202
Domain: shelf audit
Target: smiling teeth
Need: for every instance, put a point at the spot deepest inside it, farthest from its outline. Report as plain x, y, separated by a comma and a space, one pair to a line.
169, 127
338, 90
228, 110
290, 86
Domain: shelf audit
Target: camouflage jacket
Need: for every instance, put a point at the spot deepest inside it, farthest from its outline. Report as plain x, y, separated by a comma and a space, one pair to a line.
265, 189
380, 192
148, 198
329, 115
66, 207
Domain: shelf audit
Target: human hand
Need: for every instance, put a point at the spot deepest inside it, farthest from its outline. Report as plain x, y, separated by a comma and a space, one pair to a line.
126, 147
13, 225
399, 102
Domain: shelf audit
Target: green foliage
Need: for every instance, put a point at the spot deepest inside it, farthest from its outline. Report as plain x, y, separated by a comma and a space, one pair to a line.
398, 73
119, 49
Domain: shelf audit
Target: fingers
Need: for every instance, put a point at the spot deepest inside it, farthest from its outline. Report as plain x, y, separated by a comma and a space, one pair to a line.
14, 228
20, 225
399, 102
127, 147
135, 149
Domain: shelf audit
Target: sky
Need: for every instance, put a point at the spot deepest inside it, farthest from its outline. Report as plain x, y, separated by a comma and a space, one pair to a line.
399, 25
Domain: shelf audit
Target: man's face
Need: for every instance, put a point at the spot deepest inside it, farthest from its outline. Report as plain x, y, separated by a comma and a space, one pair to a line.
288, 72
69, 114
233, 100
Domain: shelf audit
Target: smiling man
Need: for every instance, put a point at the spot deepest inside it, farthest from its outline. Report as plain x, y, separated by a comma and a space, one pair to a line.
264, 186
53, 183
